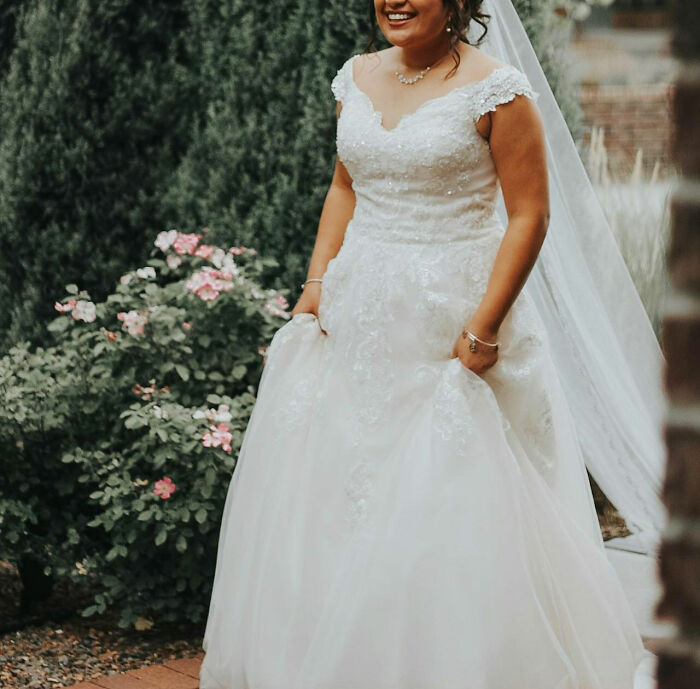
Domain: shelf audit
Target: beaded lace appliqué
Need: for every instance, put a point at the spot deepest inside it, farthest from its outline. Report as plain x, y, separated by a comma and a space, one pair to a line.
417, 253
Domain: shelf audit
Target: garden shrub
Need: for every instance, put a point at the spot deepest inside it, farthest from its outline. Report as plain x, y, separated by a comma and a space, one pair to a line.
118, 443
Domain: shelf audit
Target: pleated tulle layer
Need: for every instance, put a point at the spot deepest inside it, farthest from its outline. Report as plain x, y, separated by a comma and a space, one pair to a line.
416, 531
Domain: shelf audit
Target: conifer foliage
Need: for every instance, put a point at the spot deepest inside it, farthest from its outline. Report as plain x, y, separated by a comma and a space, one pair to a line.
96, 108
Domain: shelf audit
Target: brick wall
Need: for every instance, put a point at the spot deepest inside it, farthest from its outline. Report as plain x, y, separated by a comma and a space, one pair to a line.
679, 661
632, 117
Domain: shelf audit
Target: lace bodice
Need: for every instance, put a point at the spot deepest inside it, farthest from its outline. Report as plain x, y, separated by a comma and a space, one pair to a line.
431, 177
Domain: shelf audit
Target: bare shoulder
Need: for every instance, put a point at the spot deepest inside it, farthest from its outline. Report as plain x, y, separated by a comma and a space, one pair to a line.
477, 63
367, 63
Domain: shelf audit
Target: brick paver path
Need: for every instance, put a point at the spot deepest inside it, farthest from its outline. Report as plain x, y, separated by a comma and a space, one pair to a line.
175, 674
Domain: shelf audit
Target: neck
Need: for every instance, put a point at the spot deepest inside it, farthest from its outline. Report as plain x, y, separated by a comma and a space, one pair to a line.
427, 54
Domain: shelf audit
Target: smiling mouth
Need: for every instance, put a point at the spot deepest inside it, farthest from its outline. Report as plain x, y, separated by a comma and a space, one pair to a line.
399, 18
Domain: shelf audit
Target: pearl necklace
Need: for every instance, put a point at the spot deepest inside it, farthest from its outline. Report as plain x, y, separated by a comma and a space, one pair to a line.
412, 80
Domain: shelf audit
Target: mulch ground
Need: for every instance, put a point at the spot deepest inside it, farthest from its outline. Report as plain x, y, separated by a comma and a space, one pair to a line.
55, 647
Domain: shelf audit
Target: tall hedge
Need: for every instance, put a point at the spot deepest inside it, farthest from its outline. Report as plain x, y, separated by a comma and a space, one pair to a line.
96, 110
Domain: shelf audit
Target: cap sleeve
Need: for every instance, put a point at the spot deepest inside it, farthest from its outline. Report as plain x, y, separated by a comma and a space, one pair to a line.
341, 80
502, 86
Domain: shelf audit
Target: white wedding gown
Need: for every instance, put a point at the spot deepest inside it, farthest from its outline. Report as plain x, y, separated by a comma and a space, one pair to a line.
396, 521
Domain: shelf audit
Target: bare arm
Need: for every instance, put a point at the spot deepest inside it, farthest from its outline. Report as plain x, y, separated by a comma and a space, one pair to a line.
338, 208
518, 148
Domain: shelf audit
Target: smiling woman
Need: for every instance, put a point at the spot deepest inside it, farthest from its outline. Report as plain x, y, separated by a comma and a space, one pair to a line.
412, 464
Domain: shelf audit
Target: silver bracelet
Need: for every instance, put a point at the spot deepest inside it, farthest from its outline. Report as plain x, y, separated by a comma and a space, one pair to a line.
303, 284
474, 339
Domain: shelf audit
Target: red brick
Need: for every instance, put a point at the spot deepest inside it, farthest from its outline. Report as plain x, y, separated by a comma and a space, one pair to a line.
187, 666
682, 482
678, 568
165, 678
681, 337
687, 130
685, 244
123, 681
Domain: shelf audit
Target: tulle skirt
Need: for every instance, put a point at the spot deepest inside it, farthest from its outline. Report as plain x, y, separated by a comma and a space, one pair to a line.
396, 521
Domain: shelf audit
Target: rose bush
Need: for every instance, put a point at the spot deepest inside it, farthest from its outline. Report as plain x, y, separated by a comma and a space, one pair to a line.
118, 443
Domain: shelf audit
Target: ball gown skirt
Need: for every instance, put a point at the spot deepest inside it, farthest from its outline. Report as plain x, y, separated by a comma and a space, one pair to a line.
396, 521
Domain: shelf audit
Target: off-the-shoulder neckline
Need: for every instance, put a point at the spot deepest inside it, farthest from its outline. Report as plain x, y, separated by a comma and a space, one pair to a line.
457, 89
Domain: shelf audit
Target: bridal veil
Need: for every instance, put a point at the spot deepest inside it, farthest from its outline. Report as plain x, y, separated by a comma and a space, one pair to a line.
605, 349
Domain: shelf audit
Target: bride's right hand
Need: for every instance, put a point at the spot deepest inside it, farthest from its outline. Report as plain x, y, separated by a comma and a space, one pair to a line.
309, 300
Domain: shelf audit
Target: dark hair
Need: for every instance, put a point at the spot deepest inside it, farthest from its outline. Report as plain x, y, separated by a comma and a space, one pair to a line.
462, 14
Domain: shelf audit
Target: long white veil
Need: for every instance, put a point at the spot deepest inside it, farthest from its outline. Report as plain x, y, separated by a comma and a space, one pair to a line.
605, 349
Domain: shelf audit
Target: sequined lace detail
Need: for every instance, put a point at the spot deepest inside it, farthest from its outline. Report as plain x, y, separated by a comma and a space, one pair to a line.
500, 87
418, 249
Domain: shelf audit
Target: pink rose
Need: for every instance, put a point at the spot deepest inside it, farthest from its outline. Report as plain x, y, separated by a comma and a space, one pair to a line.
278, 306
205, 251
281, 302
144, 392
165, 240
67, 307
84, 311
186, 243
164, 488
218, 436
133, 322
208, 283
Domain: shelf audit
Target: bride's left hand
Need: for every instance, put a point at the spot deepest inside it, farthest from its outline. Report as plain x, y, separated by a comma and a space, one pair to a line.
479, 361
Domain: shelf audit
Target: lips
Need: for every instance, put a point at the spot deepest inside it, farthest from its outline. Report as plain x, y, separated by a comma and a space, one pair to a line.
398, 22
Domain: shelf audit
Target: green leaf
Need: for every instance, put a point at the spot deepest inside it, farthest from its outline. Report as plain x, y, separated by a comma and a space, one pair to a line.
239, 371
201, 515
135, 422
161, 537
58, 325
182, 371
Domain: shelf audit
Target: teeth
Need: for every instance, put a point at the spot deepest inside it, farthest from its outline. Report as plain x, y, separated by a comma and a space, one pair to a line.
396, 17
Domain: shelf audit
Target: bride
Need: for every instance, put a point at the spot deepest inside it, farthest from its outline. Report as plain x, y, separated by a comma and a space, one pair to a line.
410, 508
